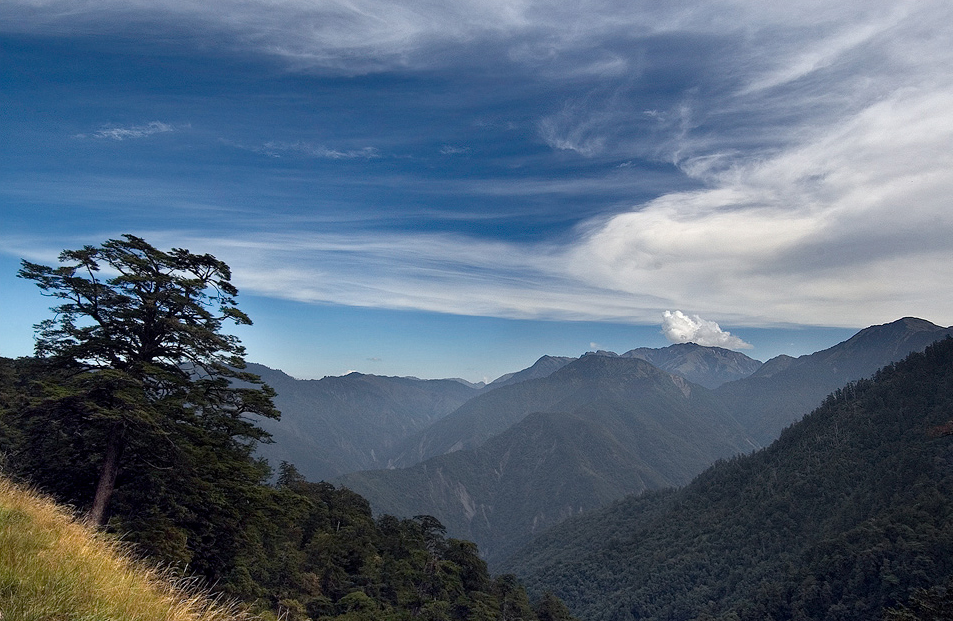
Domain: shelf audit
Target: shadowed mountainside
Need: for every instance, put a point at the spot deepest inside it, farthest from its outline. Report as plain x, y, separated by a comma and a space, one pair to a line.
510, 398
846, 514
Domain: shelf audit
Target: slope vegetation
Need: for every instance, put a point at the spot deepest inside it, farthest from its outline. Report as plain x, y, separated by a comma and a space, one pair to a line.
294, 549
845, 515
52, 567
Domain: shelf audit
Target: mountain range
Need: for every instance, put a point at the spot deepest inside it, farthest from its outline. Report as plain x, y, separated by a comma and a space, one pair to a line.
706, 366
592, 431
498, 464
784, 389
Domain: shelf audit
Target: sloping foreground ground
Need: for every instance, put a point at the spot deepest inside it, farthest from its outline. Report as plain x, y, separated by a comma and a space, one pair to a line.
845, 516
53, 567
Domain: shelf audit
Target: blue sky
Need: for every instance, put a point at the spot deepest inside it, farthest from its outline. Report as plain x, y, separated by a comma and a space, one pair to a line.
455, 188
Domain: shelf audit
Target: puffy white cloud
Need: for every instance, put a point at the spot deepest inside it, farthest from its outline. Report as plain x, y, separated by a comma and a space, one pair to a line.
681, 328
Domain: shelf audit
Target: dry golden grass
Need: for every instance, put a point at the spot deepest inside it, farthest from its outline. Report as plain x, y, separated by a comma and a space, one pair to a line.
53, 567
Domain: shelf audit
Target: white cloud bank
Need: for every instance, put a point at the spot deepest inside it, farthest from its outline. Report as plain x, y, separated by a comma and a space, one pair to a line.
854, 221
681, 328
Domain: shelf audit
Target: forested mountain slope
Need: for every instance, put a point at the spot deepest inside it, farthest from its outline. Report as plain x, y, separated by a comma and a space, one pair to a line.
613, 426
846, 514
784, 389
342, 424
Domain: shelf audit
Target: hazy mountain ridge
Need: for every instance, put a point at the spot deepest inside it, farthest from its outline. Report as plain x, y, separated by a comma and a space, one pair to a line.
358, 422
545, 366
615, 426
493, 412
846, 514
784, 389
486, 469
706, 366
466, 487
479, 419
342, 424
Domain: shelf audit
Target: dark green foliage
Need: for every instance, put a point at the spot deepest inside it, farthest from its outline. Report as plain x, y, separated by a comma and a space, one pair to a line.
140, 369
322, 554
846, 515
551, 608
933, 604
136, 407
304, 550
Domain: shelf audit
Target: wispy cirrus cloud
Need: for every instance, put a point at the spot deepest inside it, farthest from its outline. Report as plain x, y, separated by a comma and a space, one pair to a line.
853, 222
815, 137
130, 132
448, 149
431, 272
278, 148
369, 35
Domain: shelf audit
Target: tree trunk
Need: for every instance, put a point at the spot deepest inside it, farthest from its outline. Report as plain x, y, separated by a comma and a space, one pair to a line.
108, 473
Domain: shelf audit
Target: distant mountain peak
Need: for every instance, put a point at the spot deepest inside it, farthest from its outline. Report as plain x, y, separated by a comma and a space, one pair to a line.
601, 352
543, 367
701, 364
468, 383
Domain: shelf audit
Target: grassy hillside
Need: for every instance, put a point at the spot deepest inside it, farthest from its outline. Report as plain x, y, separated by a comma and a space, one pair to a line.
53, 567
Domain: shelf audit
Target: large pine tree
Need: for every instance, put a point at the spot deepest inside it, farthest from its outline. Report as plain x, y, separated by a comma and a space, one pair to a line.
144, 388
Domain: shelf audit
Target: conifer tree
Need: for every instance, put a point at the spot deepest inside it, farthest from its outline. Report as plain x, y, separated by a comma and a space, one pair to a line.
141, 357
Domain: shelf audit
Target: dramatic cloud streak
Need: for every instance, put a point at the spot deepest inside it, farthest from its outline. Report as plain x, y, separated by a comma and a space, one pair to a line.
594, 160
853, 222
